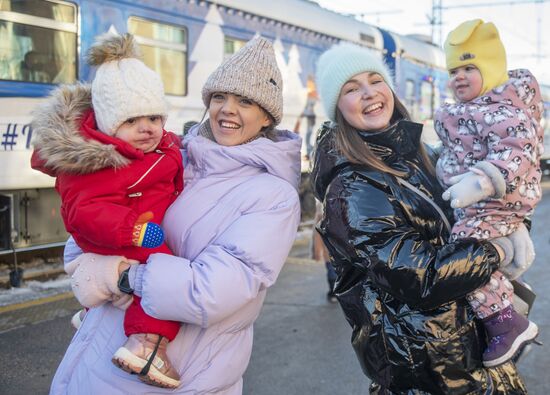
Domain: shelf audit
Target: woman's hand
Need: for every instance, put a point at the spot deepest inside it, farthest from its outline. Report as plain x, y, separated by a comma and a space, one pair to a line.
123, 301
524, 253
94, 279
125, 264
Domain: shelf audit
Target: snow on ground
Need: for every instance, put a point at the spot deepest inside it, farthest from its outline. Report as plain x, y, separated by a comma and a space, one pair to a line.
32, 290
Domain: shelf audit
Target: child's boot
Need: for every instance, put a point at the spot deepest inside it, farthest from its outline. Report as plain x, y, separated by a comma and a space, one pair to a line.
508, 332
145, 354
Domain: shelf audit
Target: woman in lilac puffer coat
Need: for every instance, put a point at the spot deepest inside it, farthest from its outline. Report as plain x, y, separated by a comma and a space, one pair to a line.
230, 230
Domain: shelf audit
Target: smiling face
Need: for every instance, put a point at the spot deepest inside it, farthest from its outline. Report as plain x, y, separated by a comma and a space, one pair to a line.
366, 102
143, 133
235, 119
465, 82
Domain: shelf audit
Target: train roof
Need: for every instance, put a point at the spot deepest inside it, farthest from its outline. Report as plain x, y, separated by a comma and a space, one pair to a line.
309, 15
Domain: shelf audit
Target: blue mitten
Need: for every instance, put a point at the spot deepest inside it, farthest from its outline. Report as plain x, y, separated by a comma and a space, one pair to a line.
468, 188
148, 235
524, 253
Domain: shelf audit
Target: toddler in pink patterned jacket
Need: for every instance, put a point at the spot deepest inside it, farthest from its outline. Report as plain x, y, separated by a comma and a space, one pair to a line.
492, 142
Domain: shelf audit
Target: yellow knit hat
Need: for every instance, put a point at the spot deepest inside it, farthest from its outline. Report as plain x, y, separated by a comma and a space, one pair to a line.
478, 43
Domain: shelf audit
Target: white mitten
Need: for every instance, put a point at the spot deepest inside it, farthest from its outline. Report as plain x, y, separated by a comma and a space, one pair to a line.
524, 253
94, 278
505, 249
468, 188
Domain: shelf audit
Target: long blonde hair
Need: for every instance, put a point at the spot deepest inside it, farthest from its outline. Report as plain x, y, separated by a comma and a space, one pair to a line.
351, 145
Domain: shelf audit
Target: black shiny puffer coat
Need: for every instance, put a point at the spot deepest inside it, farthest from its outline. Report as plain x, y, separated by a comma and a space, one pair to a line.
400, 284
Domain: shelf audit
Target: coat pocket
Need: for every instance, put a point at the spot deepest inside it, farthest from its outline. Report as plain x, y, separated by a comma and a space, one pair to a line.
452, 362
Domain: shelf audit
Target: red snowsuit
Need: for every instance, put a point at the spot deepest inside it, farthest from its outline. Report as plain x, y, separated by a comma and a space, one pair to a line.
100, 208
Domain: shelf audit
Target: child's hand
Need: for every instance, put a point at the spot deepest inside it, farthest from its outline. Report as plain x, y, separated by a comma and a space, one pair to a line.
145, 233
468, 188
148, 235
524, 253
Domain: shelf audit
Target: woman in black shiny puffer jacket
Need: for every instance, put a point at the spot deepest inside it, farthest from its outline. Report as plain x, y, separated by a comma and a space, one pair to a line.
400, 283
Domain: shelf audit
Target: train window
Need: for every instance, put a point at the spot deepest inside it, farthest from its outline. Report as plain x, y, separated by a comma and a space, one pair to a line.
164, 50
426, 103
367, 38
38, 41
232, 45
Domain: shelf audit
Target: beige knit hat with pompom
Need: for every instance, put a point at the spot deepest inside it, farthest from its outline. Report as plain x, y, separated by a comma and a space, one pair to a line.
123, 87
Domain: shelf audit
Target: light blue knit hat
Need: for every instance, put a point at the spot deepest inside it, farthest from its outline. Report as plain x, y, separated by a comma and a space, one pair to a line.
338, 64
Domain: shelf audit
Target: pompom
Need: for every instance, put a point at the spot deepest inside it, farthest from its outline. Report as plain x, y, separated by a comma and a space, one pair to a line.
111, 47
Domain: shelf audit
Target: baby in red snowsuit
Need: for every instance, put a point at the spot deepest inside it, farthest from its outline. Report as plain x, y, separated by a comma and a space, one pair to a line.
117, 171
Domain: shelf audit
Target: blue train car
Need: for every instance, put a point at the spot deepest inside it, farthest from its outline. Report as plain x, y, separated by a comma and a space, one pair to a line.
43, 42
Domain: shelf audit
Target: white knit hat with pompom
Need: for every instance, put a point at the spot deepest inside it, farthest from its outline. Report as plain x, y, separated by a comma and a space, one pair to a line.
123, 87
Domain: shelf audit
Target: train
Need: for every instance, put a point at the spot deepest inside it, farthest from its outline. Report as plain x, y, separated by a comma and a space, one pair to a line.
43, 43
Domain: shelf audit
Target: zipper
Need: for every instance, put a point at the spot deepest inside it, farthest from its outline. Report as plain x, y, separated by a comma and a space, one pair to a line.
147, 172
408, 185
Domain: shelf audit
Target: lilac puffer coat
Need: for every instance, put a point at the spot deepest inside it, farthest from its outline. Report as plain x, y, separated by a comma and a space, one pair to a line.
230, 230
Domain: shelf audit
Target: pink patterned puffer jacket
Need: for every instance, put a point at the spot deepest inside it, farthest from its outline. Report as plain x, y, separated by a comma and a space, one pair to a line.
499, 130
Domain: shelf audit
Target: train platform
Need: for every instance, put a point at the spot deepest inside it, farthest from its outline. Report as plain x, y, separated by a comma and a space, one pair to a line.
295, 312
38, 301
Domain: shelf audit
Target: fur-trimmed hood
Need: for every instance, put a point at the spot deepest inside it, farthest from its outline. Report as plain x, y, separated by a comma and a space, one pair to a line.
62, 144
